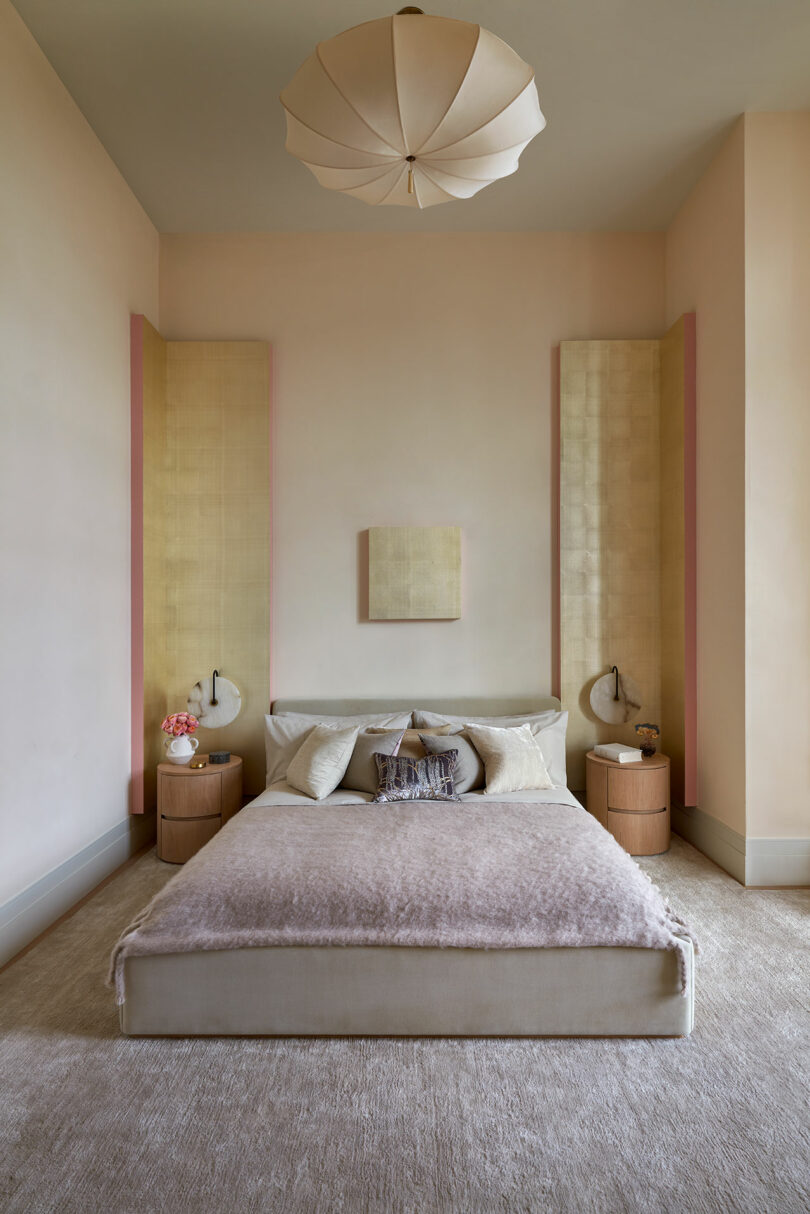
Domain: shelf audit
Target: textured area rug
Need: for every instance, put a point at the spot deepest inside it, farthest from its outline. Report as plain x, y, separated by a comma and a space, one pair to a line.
719, 1121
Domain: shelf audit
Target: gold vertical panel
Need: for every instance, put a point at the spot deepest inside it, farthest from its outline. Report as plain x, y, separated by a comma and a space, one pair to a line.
155, 604
414, 573
673, 664
217, 519
610, 598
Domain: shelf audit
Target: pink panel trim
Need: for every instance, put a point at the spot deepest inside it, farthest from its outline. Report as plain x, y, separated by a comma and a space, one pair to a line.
556, 606
690, 770
136, 790
271, 587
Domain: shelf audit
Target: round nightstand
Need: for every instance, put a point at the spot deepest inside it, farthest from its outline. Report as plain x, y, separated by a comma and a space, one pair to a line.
193, 803
631, 800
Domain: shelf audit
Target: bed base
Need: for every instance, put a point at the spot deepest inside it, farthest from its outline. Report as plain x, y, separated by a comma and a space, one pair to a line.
408, 992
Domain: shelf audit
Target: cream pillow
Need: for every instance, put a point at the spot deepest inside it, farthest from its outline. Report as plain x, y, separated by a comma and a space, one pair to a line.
512, 758
548, 728
320, 763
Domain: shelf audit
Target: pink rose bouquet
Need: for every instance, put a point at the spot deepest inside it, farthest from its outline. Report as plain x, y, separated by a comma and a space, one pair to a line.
179, 723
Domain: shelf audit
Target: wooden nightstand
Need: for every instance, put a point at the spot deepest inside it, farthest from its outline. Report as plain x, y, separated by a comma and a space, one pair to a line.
631, 800
193, 803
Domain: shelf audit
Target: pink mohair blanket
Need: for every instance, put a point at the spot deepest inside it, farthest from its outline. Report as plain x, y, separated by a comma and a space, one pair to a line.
416, 874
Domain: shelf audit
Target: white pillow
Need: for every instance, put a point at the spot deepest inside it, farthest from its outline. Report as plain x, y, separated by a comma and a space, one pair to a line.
512, 758
321, 761
284, 733
282, 738
548, 727
390, 720
551, 740
421, 717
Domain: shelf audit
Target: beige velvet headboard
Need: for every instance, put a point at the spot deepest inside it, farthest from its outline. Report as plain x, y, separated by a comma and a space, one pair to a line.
474, 706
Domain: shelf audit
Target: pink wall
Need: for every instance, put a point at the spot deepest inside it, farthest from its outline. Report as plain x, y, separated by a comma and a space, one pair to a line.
705, 273
413, 386
81, 256
777, 365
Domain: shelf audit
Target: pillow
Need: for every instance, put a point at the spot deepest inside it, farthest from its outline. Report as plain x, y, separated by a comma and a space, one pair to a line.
361, 774
284, 733
391, 720
411, 747
548, 728
469, 772
423, 717
551, 740
320, 763
512, 758
282, 738
428, 779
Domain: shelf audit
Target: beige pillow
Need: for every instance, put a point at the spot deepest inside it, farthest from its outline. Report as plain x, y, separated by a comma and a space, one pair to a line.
320, 763
411, 747
512, 758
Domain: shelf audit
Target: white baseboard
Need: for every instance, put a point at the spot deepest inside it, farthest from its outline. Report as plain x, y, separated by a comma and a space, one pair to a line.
777, 862
750, 861
716, 840
29, 913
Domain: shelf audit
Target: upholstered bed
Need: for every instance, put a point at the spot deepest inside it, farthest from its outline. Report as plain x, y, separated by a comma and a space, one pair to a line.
513, 914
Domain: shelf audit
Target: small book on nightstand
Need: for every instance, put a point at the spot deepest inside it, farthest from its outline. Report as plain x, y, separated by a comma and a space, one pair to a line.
618, 753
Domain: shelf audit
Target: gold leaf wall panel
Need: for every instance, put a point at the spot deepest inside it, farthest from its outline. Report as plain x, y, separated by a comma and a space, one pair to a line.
218, 534
206, 547
610, 564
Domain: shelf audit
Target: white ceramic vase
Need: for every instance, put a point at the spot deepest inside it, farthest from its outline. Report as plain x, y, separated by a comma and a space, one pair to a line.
180, 750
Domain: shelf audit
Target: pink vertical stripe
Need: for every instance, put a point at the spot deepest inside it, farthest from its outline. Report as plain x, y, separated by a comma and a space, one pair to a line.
271, 587
690, 772
556, 556
136, 789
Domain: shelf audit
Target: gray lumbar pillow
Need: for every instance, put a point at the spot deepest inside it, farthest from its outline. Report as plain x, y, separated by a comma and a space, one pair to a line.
469, 773
361, 774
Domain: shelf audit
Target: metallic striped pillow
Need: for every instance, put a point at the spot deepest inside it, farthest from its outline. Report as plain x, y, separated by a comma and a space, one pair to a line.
428, 779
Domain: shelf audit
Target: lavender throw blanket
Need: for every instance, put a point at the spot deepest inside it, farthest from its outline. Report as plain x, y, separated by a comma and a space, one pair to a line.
424, 874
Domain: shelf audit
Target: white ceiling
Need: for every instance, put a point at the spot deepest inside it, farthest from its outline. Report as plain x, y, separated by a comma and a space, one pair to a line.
637, 93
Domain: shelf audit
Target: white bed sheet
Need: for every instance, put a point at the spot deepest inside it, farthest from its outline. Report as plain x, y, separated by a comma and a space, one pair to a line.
282, 793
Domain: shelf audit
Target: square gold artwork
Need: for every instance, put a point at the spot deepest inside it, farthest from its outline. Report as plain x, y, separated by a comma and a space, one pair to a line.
414, 573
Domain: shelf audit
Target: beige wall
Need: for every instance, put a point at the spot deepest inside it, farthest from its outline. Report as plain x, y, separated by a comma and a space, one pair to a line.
413, 386
78, 255
705, 273
777, 280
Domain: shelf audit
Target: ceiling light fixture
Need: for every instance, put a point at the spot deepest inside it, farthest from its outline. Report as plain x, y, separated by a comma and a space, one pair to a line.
411, 110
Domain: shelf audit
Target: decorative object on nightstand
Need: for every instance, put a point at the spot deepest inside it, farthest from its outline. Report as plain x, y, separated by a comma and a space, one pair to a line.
648, 735
178, 726
615, 698
631, 800
193, 803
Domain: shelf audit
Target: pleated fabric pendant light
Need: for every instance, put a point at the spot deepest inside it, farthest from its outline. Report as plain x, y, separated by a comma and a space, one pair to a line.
411, 110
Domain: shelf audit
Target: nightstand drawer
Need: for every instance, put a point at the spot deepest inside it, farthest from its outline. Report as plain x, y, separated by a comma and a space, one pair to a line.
638, 791
190, 796
640, 834
181, 838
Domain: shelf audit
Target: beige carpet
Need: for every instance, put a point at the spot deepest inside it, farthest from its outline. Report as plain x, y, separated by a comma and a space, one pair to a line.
91, 1121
